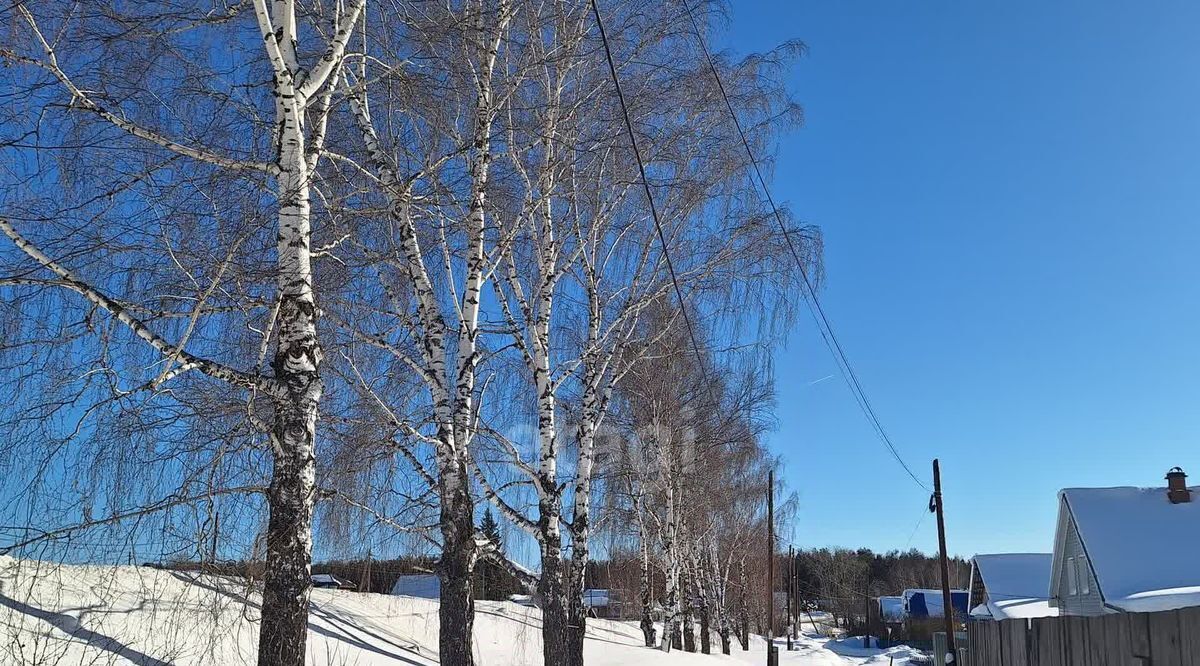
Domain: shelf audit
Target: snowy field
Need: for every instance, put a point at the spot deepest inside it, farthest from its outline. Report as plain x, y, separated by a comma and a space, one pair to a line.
53, 614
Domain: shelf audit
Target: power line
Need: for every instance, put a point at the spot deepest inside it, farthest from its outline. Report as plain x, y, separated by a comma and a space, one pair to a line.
637, 153
921, 519
823, 325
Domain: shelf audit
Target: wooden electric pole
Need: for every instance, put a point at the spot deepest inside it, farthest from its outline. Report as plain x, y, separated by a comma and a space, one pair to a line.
365, 585
947, 602
794, 592
212, 552
787, 626
771, 651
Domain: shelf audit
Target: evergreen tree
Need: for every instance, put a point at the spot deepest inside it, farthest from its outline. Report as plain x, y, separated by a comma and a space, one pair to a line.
490, 529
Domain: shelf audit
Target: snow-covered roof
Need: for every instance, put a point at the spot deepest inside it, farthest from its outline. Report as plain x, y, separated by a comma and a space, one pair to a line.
891, 609
523, 599
329, 580
423, 586
1140, 545
1017, 585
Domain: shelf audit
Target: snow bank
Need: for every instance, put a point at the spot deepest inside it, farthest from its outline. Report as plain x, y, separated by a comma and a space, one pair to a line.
54, 615
852, 646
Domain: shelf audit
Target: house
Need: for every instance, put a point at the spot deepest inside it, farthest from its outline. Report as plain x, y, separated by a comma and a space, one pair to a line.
924, 613
1005, 586
526, 600
891, 609
1126, 549
422, 586
603, 603
326, 580
924, 604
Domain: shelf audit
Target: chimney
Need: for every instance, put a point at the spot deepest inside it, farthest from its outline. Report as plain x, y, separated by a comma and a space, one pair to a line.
1177, 490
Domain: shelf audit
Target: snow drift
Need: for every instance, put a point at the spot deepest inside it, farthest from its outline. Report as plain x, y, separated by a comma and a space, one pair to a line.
54, 614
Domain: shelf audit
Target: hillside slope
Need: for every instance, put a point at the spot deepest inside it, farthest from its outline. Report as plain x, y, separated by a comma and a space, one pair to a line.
54, 615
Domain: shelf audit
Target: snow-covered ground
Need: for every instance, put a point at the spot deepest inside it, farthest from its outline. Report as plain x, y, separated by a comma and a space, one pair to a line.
52, 614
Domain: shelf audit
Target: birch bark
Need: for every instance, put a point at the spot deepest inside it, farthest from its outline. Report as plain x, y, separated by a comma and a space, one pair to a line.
298, 354
295, 386
448, 335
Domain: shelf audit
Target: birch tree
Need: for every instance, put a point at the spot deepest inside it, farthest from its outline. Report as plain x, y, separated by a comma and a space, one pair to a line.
695, 475
587, 261
129, 82
428, 159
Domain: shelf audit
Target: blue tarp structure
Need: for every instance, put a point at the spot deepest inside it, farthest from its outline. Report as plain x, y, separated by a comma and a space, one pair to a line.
928, 603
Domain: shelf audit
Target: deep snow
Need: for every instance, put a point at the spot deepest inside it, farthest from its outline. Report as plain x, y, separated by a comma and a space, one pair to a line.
52, 614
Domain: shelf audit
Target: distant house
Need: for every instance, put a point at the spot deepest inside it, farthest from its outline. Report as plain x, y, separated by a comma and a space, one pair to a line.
595, 598
325, 580
1126, 549
891, 609
526, 600
603, 603
924, 604
1010, 585
423, 586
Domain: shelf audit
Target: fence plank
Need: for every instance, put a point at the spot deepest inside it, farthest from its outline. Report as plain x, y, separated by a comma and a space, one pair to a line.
1164, 639
1117, 649
977, 638
1139, 634
1169, 638
1014, 647
1096, 648
1072, 626
976, 641
1189, 633
981, 647
1047, 637
992, 648
995, 654
970, 641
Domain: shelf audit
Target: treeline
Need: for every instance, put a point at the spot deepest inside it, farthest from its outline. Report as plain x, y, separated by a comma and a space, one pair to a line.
840, 580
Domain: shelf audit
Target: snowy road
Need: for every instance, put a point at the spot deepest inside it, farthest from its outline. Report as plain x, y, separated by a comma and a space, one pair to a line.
815, 651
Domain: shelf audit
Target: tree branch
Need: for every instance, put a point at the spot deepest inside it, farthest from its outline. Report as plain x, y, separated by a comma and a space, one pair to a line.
167, 503
210, 368
80, 100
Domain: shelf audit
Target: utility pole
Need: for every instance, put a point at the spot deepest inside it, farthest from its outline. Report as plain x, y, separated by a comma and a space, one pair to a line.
365, 585
772, 652
947, 604
867, 615
794, 593
791, 573
212, 552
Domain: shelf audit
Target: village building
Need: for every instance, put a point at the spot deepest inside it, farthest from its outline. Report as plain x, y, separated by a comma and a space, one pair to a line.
330, 581
421, 585
1006, 586
925, 604
1126, 549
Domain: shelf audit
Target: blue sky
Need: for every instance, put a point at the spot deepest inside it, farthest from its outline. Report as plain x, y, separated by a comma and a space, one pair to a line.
1009, 197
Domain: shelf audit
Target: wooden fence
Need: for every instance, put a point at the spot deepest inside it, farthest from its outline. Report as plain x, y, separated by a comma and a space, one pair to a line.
1168, 638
